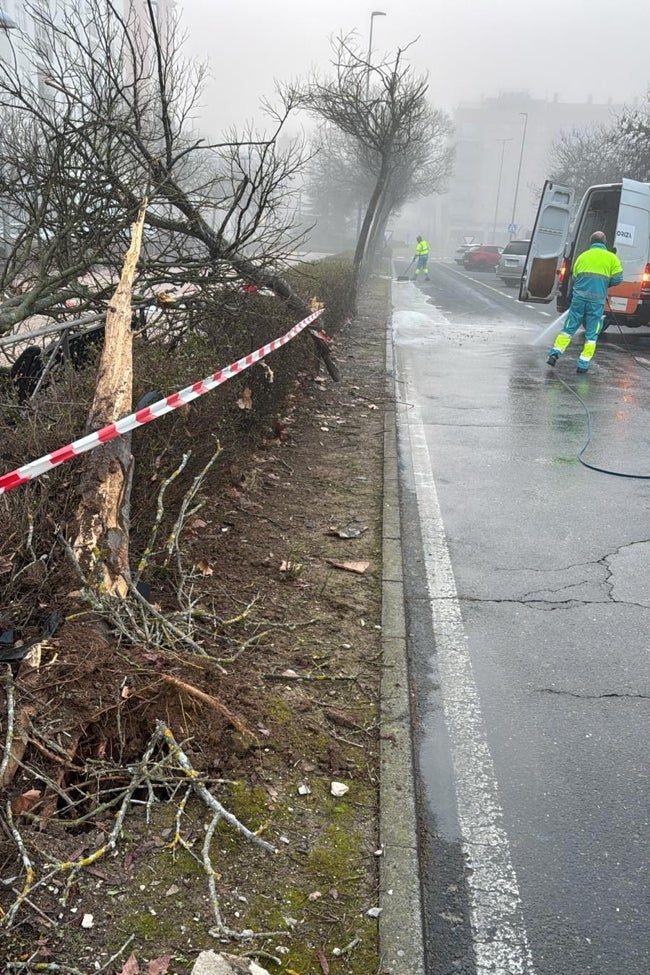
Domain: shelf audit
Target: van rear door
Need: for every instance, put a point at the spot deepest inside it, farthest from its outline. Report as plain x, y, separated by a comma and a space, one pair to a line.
550, 234
632, 236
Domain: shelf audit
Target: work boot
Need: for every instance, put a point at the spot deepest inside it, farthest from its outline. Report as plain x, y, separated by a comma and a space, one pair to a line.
581, 369
552, 358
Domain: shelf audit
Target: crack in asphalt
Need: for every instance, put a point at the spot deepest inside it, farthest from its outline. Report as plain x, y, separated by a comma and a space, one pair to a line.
535, 597
590, 697
553, 604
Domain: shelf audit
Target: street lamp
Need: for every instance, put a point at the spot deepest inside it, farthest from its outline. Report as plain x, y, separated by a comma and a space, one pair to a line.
6, 24
496, 208
375, 13
521, 159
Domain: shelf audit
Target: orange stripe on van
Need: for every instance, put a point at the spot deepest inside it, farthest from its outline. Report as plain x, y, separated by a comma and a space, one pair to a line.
630, 290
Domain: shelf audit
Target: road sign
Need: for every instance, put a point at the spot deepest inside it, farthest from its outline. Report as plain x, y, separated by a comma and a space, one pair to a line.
512, 228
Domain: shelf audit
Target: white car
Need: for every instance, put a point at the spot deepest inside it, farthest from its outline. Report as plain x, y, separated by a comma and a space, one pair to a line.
511, 263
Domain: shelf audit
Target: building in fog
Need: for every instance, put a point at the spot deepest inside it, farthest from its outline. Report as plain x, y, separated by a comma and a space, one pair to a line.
484, 200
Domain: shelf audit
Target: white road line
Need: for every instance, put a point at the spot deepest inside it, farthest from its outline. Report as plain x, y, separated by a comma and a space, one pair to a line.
503, 294
499, 932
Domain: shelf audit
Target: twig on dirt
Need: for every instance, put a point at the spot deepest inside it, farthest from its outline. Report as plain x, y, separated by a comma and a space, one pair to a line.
34, 907
242, 647
348, 948
183, 637
51, 755
178, 836
345, 741
27, 865
190, 494
120, 951
240, 617
261, 954
10, 695
160, 510
166, 735
257, 514
290, 627
30, 536
146, 773
210, 701
49, 782
41, 966
72, 868
212, 875
317, 677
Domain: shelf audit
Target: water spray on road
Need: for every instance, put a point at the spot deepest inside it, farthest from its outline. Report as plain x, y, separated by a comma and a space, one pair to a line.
549, 333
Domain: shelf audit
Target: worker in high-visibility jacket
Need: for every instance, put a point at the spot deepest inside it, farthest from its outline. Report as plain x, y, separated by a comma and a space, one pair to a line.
595, 271
422, 258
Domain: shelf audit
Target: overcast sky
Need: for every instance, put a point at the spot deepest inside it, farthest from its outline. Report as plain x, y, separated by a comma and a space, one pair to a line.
471, 48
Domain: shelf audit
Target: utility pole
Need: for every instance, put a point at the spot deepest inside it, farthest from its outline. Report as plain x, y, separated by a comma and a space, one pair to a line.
496, 208
521, 159
375, 13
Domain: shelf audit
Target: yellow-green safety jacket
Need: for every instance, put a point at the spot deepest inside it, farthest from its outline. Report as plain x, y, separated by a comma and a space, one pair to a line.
594, 271
421, 248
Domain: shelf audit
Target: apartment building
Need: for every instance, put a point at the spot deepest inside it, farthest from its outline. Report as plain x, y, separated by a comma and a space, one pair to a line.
503, 148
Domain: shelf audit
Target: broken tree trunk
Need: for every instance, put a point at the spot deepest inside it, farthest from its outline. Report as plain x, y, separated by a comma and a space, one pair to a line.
102, 521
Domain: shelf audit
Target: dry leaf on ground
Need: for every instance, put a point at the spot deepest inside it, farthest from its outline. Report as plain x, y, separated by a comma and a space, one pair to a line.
130, 967
25, 801
159, 966
245, 401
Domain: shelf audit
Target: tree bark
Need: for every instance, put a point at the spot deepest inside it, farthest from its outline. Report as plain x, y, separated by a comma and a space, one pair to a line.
102, 520
376, 237
367, 223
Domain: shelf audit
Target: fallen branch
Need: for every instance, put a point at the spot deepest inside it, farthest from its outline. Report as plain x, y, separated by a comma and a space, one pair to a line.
10, 695
40, 868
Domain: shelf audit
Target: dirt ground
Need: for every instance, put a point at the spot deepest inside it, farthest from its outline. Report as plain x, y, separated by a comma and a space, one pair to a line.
147, 780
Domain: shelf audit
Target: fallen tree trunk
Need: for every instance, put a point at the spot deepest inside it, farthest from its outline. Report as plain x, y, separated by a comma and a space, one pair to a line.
101, 543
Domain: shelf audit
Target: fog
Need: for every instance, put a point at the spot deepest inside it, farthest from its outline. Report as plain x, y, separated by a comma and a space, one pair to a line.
471, 48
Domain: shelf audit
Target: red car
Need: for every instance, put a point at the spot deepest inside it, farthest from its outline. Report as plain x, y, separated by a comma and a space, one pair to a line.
483, 258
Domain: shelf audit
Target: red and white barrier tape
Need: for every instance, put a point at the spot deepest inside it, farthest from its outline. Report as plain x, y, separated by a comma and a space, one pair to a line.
29, 471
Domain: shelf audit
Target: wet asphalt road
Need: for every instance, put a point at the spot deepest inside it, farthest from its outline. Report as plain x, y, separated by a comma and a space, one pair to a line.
528, 595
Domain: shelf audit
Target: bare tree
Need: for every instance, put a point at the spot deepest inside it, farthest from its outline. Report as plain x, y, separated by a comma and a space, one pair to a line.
583, 158
117, 125
421, 171
337, 180
381, 106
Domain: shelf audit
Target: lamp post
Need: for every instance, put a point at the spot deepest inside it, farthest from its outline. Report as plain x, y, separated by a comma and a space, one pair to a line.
375, 13
521, 159
6, 25
496, 208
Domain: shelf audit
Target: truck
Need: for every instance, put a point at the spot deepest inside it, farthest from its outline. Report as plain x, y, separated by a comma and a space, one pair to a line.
622, 211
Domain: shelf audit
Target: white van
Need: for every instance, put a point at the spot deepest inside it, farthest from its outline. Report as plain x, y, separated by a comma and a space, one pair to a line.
622, 211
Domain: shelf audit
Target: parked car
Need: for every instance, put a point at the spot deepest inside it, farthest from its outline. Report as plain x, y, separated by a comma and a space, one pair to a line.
483, 258
511, 263
460, 252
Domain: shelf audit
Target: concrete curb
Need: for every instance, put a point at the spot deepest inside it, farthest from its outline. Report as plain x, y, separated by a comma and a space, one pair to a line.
401, 941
